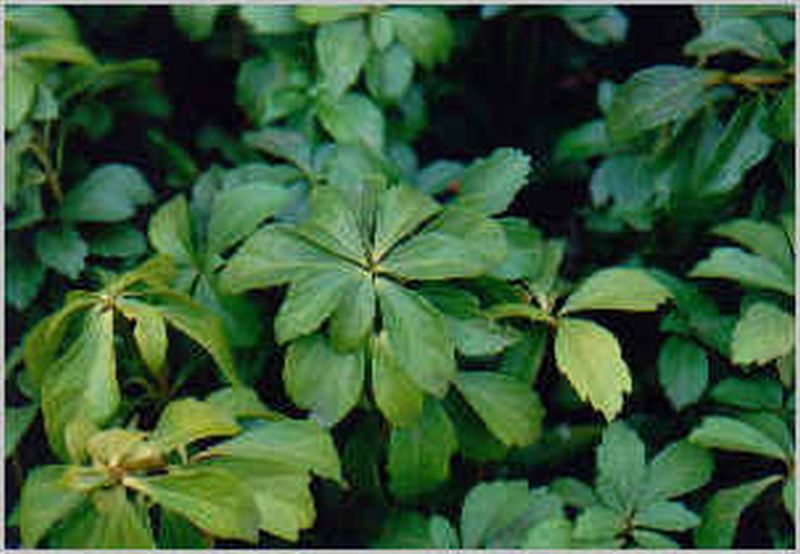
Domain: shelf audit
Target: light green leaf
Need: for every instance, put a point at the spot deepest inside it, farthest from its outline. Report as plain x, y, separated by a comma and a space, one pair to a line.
196, 22
750, 394
62, 249
721, 513
573, 492
763, 238
270, 20
489, 508
788, 494
654, 540
483, 236
682, 371
45, 500
237, 212
313, 14
525, 311
666, 516
621, 467
617, 288
401, 209
656, 96
342, 48
310, 301
425, 31
82, 383
736, 34
398, 399
354, 120
433, 256
553, 533
419, 455
20, 91
319, 379
303, 445
241, 402
354, 316
42, 21
212, 499
510, 409
272, 256
282, 143
110, 193
381, 29
170, 232
763, 333
735, 264
600, 25
443, 536
730, 434
598, 523
590, 357
390, 72
490, 184
18, 420
678, 469
187, 420
150, 334
418, 337
198, 323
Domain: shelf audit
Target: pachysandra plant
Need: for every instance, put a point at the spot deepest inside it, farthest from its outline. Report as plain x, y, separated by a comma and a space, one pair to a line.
588, 355
256, 479
71, 356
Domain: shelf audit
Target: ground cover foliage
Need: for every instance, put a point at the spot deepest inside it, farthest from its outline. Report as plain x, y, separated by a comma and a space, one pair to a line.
400, 276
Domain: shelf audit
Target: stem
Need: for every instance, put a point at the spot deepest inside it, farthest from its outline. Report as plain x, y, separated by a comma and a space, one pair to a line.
51, 175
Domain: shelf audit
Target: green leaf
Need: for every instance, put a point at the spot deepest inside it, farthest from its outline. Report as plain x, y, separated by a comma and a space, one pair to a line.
443, 536
750, 394
419, 455
272, 256
319, 379
354, 316
763, 238
282, 143
390, 72
20, 91
82, 384
404, 529
590, 357
525, 249
270, 20
678, 469
600, 25
682, 371
573, 492
621, 467
381, 29
418, 337
311, 300
187, 420
742, 145
303, 445
483, 236
241, 402
489, 508
110, 193
62, 249
333, 225
510, 409
585, 141
763, 333
624, 187
212, 499
788, 495
122, 241
175, 532
56, 50
598, 523
656, 96
657, 541
433, 256
478, 337
150, 335
666, 516
24, 275
314, 14
617, 288
730, 434
354, 120
18, 421
401, 209
42, 21
45, 500
201, 325
342, 48
170, 231
237, 212
737, 34
425, 31
735, 264
196, 22
398, 399
489, 185
721, 513
553, 533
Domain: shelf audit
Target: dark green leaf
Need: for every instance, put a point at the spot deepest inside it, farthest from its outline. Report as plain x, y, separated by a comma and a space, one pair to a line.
737, 34
110, 193
490, 184
750, 394
682, 371
354, 120
62, 249
196, 22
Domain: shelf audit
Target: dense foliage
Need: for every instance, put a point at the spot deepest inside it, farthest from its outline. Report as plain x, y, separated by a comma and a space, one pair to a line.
400, 277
